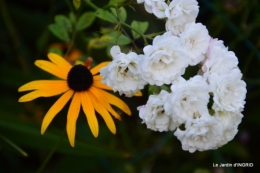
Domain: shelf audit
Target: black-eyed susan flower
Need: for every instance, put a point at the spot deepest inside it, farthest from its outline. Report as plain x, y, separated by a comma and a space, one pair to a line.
84, 86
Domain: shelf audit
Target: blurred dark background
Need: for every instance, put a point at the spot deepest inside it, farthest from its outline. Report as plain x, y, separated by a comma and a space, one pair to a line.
24, 38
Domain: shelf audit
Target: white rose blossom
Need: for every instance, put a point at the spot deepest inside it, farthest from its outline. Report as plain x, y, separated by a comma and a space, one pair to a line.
182, 11
174, 29
230, 122
153, 113
157, 7
188, 99
229, 91
123, 73
218, 59
164, 61
195, 38
202, 133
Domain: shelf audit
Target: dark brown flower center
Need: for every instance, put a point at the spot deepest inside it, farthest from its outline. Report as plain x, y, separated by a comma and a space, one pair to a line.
79, 78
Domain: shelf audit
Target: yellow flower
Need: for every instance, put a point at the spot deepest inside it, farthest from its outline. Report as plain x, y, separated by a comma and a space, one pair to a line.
83, 86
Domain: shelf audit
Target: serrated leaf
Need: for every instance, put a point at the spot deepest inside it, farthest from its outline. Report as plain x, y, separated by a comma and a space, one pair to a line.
59, 32
76, 4
122, 13
64, 22
85, 20
116, 38
106, 15
139, 26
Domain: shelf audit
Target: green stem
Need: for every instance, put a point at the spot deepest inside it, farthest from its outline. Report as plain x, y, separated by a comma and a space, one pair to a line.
50, 154
114, 6
74, 33
91, 4
132, 41
142, 35
16, 147
71, 43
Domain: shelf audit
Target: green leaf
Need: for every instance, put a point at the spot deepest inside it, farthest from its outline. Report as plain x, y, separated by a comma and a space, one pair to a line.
64, 22
72, 17
85, 20
96, 43
76, 4
59, 32
153, 89
165, 87
122, 13
116, 38
106, 15
140, 26
27, 134
116, 2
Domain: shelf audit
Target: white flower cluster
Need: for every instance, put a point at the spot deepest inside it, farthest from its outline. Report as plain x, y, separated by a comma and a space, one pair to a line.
177, 13
205, 110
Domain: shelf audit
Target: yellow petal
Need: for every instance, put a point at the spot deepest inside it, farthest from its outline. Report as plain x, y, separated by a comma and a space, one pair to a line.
97, 78
138, 94
116, 102
96, 69
72, 117
56, 108
103, 112
58, 60
104, 102
45, 92
90, 113
52, 68
98, 84
41, 84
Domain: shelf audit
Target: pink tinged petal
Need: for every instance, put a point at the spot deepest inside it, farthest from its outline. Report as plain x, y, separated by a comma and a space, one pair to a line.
114, 51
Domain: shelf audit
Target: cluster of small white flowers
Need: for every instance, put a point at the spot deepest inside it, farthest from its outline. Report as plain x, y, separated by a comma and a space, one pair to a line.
177, 13
186, 108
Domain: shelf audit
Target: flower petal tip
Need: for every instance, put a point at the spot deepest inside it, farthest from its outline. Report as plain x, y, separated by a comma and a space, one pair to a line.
23, 99
95, 135
138, 94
